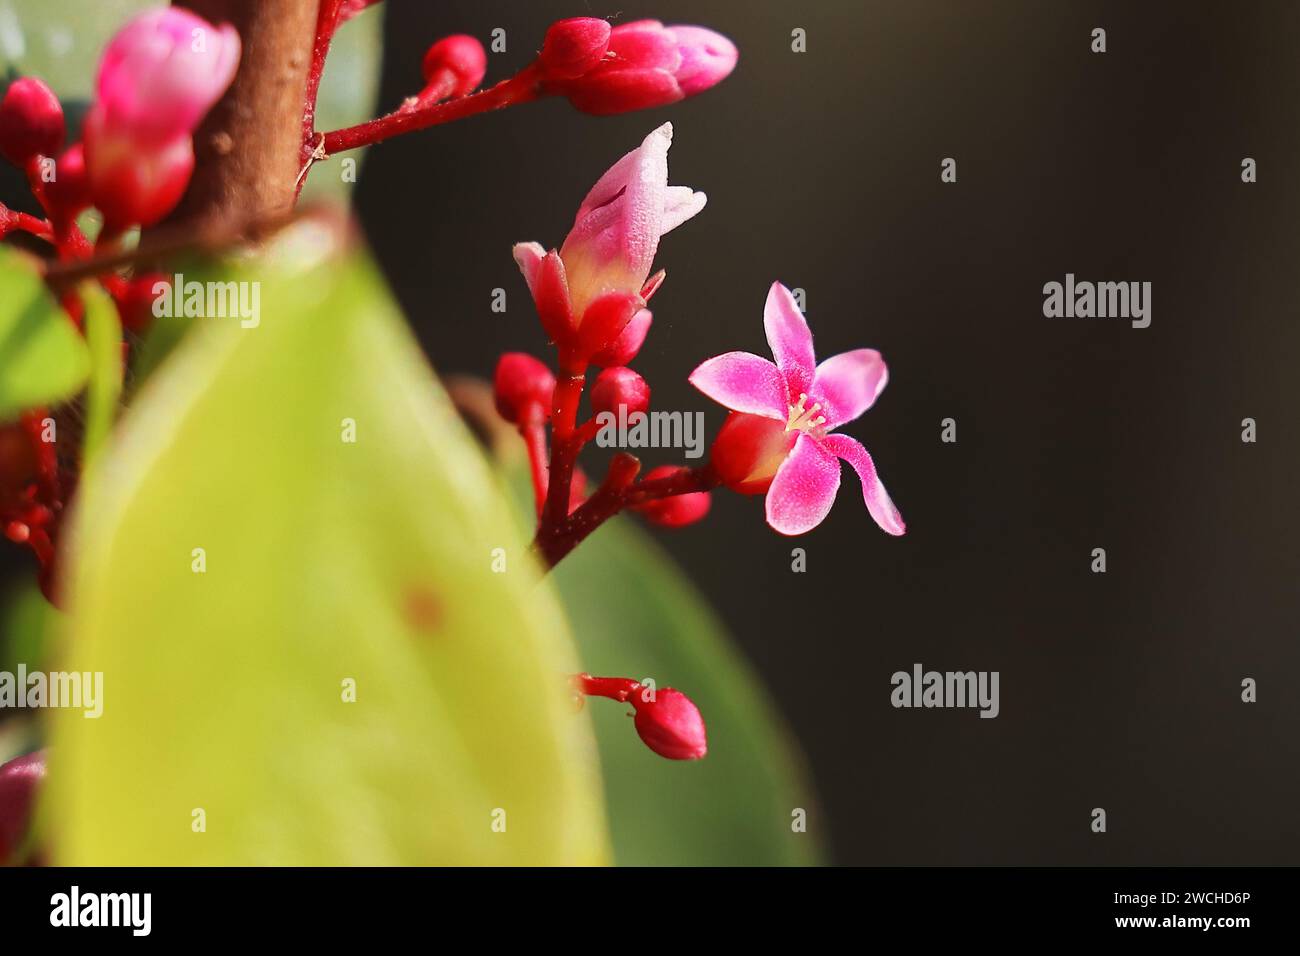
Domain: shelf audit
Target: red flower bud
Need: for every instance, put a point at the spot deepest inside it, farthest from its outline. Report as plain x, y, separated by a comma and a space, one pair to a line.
748, 451
31, 121
620, 386
667, 720
523, 387
135, 306
68, 193
19, 779
455, 64
573, 47
624, 348
678, 510
670, 724
134, 183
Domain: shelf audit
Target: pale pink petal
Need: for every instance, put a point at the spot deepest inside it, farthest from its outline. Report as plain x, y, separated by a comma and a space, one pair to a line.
804, 488
846, 385
744, 383
680, 204
790, 339
873, 491
529, 257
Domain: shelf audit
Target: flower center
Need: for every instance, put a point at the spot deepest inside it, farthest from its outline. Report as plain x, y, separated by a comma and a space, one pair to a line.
803, 419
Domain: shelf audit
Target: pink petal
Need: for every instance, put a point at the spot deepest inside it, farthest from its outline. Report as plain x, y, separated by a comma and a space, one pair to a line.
529, 257
790, 339
846, 385
744, 383
645, 47
804, 488
873, 492
680, 204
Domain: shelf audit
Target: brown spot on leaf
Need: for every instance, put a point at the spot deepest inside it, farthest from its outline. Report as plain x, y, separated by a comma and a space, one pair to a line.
423, 609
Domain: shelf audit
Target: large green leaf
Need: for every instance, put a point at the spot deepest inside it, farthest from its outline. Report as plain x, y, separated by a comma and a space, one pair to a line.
635, 615
325, 561
42, 358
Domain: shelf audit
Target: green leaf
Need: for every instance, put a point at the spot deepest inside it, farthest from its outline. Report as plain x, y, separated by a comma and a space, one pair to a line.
635, 615
42, 357
325, 561
104, 345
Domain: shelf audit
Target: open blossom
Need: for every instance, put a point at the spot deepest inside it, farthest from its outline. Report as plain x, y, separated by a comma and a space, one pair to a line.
779, 439
588, 292
635, 66
159, 76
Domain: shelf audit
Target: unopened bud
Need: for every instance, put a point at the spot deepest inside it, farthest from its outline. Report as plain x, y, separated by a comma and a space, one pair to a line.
31, 121
573, 47
19, 780
675, 511
620, 386
523, 386
455, 64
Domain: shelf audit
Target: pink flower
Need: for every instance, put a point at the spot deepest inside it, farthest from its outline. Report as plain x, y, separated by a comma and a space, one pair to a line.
158, 77
588, 292
643, 64
779, 438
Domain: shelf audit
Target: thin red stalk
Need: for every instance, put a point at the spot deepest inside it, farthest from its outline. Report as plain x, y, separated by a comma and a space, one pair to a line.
520, 88
534, 435
327, 21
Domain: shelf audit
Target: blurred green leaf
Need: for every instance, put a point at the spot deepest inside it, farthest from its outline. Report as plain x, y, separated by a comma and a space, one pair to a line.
635, 615
326, 560
42, 358
104, 344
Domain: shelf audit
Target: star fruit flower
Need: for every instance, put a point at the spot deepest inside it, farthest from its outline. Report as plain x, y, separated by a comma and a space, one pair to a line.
780, 436
589, 292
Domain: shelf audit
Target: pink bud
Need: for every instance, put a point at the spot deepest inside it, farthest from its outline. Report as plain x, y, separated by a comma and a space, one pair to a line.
648, 65
573, 47
676, 511
19, 779
31, 121
457, 63
523, 387
68, 193
615, 387
670, 724
624, 348
162, 72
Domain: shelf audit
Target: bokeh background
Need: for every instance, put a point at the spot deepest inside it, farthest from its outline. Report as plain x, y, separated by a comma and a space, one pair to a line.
1119, 690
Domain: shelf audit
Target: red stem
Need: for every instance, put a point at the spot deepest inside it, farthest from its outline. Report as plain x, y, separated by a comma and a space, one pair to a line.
533, 432
520, 88
327, 21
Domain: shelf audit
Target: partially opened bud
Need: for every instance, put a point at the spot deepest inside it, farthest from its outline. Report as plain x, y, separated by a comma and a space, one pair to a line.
676, 511
620, 388
31, 121
455, 65
523, 386
573, 47
134, 186
19, 780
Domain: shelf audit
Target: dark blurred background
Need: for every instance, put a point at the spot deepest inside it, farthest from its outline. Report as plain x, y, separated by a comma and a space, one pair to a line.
1118, 690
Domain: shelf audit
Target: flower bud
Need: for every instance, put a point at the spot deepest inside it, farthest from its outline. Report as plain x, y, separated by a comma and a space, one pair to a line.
573, 47
134, 186
678, 510
68, 193
31, 121
523, 386
456, 64
625, 348
670, 724
619, 386
748, 451
136, 305
648, 65
19, 779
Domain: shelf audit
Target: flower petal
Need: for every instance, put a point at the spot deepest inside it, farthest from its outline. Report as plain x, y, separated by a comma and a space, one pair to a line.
680, 204
804, 488
790, 339
873, 491
846, 385
743, 382
529, 256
